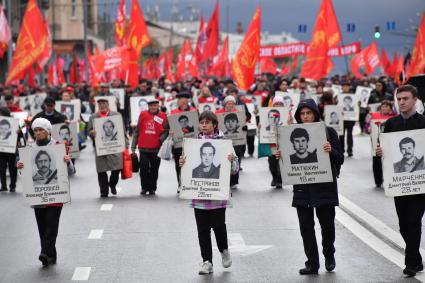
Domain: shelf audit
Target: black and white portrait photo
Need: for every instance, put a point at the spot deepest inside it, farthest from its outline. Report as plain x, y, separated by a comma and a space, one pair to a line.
270, 119
112, 100
37, 103
206, 107
350, 106
110, 138
45, 175
5, 130
207, 169
25, 102
138, 104
303, 159
71, 109
8, 134
45, 171
206, 172
300, 142
119, 93
68, 111
333, 115
231, 124
348, 103
273, 119
363, 94
183, 125
410, 162
67, 133
291, 99
333, 118
403, 162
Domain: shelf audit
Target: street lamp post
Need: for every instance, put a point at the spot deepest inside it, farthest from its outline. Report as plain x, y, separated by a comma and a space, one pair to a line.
86, 47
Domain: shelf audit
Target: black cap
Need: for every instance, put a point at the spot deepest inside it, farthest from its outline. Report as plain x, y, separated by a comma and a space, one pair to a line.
184, 94
345, 83
49, 101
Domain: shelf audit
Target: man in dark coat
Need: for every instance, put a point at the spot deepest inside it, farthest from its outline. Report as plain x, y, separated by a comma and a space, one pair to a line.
322, 197
410, 208
49, 113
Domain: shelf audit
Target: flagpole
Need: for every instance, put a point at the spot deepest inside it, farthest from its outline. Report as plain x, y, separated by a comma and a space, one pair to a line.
85, 18
9, 19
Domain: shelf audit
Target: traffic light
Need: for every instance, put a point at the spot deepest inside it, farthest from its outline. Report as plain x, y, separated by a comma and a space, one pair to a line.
377, 33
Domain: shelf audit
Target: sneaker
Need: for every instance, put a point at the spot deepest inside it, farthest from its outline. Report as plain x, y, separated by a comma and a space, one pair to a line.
152, 192
206, 268
233, 187
143, 192
226, 261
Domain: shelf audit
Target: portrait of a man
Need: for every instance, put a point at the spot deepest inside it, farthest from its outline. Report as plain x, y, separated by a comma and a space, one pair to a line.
206, 108
109, 132
45, 175
300, 139
207, 169
333, 118
273, 118
68, 111
38, 102
410, 162
65, 134
185, 125
231, 123
143, 104
5, 130
27, 104
364, 96
287, 101
348, 103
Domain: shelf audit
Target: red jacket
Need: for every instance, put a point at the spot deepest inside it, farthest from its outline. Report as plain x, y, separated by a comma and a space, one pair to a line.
208, 99
150, 127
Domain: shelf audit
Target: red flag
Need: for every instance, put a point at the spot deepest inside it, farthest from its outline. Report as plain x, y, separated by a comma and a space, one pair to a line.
417, 64
52, 77
398, 69
138, 36
5, 34
371, 58
213, 34
32, 41
120, 24
31, 77
326, 35
201, 41
73, 70
186, 63
246, 58
386, 63
285, 70
268, 65
169, 66
44, 58
222, 67
59, 68
356, 63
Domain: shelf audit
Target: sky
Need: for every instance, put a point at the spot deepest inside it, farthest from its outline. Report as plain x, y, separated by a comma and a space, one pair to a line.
286, 15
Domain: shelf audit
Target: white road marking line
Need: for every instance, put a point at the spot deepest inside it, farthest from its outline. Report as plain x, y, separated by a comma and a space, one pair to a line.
106, 207
118, 189
372, 241
81, 274
382, 228
95, 234
237, 245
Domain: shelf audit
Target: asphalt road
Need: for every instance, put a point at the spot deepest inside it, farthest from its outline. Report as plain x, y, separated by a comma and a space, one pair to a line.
153, 238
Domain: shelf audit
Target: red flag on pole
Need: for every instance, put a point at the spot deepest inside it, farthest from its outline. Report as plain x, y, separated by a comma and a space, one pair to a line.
59, 68
31, 77
138, 36
417, 63
32, 41
120, 24
200, 42
221, 67
371, 58
326, 35
5, 34
213, 34
186, 65
398, 69
386, 63
285, 70
246, 58
268, 65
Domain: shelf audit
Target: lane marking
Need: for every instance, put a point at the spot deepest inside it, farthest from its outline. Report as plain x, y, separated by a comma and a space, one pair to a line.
95, 234
81, 274
373, 241
237, 245
106, 207
118, 189
383, 229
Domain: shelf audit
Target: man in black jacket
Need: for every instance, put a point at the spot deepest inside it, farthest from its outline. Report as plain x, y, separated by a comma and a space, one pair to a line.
49, 113
410, 209
322, 197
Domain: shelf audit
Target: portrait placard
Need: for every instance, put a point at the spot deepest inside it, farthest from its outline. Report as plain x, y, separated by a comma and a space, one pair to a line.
112, 101
363, 94
336, 89
403, 162
231, 124
206, 173
256, 100
67, 133
303, 159
270, 118
252, 123
206, 107
334, 118
25, 102
45, 175
350, 106
109, 135
291, 99
376, 129
171, 105
139, 104
183, 125
21, 116
71, 109
37, 103
374, 107
8, 134
119, 93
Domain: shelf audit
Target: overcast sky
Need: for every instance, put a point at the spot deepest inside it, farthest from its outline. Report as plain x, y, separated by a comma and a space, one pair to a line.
286, 15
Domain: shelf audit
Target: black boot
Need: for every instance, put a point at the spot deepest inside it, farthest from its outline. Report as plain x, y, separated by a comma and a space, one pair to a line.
330, 263
308, 270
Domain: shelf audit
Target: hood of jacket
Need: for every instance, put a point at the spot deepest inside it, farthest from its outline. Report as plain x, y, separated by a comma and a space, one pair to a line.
311, 104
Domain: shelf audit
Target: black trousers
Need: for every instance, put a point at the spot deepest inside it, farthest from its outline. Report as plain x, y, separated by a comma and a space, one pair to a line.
48, 226
177, 153
240, 151
205, 220
410, 210
149, 166
348, 127
275, 169
104, 184
8, 160
362, 119
326, 216
250, 139
377, 170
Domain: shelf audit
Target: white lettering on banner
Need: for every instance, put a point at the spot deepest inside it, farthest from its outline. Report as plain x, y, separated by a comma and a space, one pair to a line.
302, 48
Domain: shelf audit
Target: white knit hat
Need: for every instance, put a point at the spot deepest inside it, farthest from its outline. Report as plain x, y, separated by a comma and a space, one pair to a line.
229, 98
277, 99
42, 123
